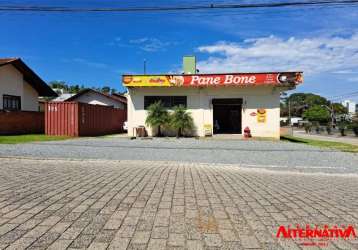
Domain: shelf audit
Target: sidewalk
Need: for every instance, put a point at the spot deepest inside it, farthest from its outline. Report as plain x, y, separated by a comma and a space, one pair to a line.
323, 137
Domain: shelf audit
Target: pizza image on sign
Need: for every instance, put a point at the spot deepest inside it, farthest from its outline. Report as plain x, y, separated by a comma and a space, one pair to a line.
261, 115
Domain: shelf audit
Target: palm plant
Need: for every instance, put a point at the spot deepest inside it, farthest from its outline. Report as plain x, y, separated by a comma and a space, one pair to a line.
181, 120
157, 116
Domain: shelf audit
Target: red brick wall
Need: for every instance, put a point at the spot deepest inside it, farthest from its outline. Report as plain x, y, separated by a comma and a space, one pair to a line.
21, 122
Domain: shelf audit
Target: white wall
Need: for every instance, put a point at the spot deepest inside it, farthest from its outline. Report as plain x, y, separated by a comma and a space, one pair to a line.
12, 83
98, 99
199, 104
29, 100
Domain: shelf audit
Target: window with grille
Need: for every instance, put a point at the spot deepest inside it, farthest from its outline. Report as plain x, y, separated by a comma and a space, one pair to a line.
167, 101
11, 102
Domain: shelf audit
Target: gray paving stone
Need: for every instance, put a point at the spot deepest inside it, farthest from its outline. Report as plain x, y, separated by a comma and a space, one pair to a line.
177, 240
47, 239
71, 233
119, 243
98, 246
21, 243
105, 236
167, 205
212, 240
157, 244
37, 232
160, 233
228, 235
11, 236
249, 242
141, 237
60, 244
82, 241
194, 245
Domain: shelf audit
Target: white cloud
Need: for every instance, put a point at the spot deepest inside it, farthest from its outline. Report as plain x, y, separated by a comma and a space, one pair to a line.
353, 79
87, 63
349, 71
312, 55
150, 44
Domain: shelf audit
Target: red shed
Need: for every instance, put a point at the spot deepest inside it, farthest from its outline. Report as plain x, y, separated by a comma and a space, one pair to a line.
81, 119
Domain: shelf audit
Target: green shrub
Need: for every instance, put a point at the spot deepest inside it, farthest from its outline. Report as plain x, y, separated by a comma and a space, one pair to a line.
181, 120
342, 128
354, 127
308, 127
329, 129
157, 116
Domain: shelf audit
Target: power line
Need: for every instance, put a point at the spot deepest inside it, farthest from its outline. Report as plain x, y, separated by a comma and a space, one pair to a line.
347, 95
179, 8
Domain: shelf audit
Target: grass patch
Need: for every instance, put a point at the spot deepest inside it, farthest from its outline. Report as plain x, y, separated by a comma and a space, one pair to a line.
15, 139
345, 147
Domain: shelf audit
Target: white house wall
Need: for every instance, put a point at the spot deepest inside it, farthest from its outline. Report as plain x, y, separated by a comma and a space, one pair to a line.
29, 100
199, 104
98, 99
12, 83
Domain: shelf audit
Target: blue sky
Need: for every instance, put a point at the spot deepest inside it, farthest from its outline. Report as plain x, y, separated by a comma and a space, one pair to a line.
95, 49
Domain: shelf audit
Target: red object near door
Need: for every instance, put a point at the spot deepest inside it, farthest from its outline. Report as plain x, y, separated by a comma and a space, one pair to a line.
82, 119
247, 132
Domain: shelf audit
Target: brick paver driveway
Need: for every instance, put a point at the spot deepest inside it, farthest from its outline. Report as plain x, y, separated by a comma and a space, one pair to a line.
61, 204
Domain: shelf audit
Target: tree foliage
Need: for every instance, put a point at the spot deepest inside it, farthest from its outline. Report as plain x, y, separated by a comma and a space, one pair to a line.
66, 88
106, 89
317, 113
181, 120
157, 116
298, 103
338, 108
62, 86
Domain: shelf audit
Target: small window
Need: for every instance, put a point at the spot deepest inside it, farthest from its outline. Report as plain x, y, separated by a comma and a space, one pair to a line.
167, 101
11, 102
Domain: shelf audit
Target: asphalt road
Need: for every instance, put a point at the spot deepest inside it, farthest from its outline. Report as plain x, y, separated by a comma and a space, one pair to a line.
266, 154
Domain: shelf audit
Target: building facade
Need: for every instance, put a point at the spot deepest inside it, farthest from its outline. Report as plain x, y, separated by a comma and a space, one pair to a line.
218, 103
350, 105
20, 87
94, 97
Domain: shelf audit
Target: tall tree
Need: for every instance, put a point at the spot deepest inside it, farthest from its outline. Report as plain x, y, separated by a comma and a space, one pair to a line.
299, 102
317, 113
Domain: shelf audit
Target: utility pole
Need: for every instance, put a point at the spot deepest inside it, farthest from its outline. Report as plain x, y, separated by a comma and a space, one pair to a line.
332, 116
145, 66
331, 111
289, 111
